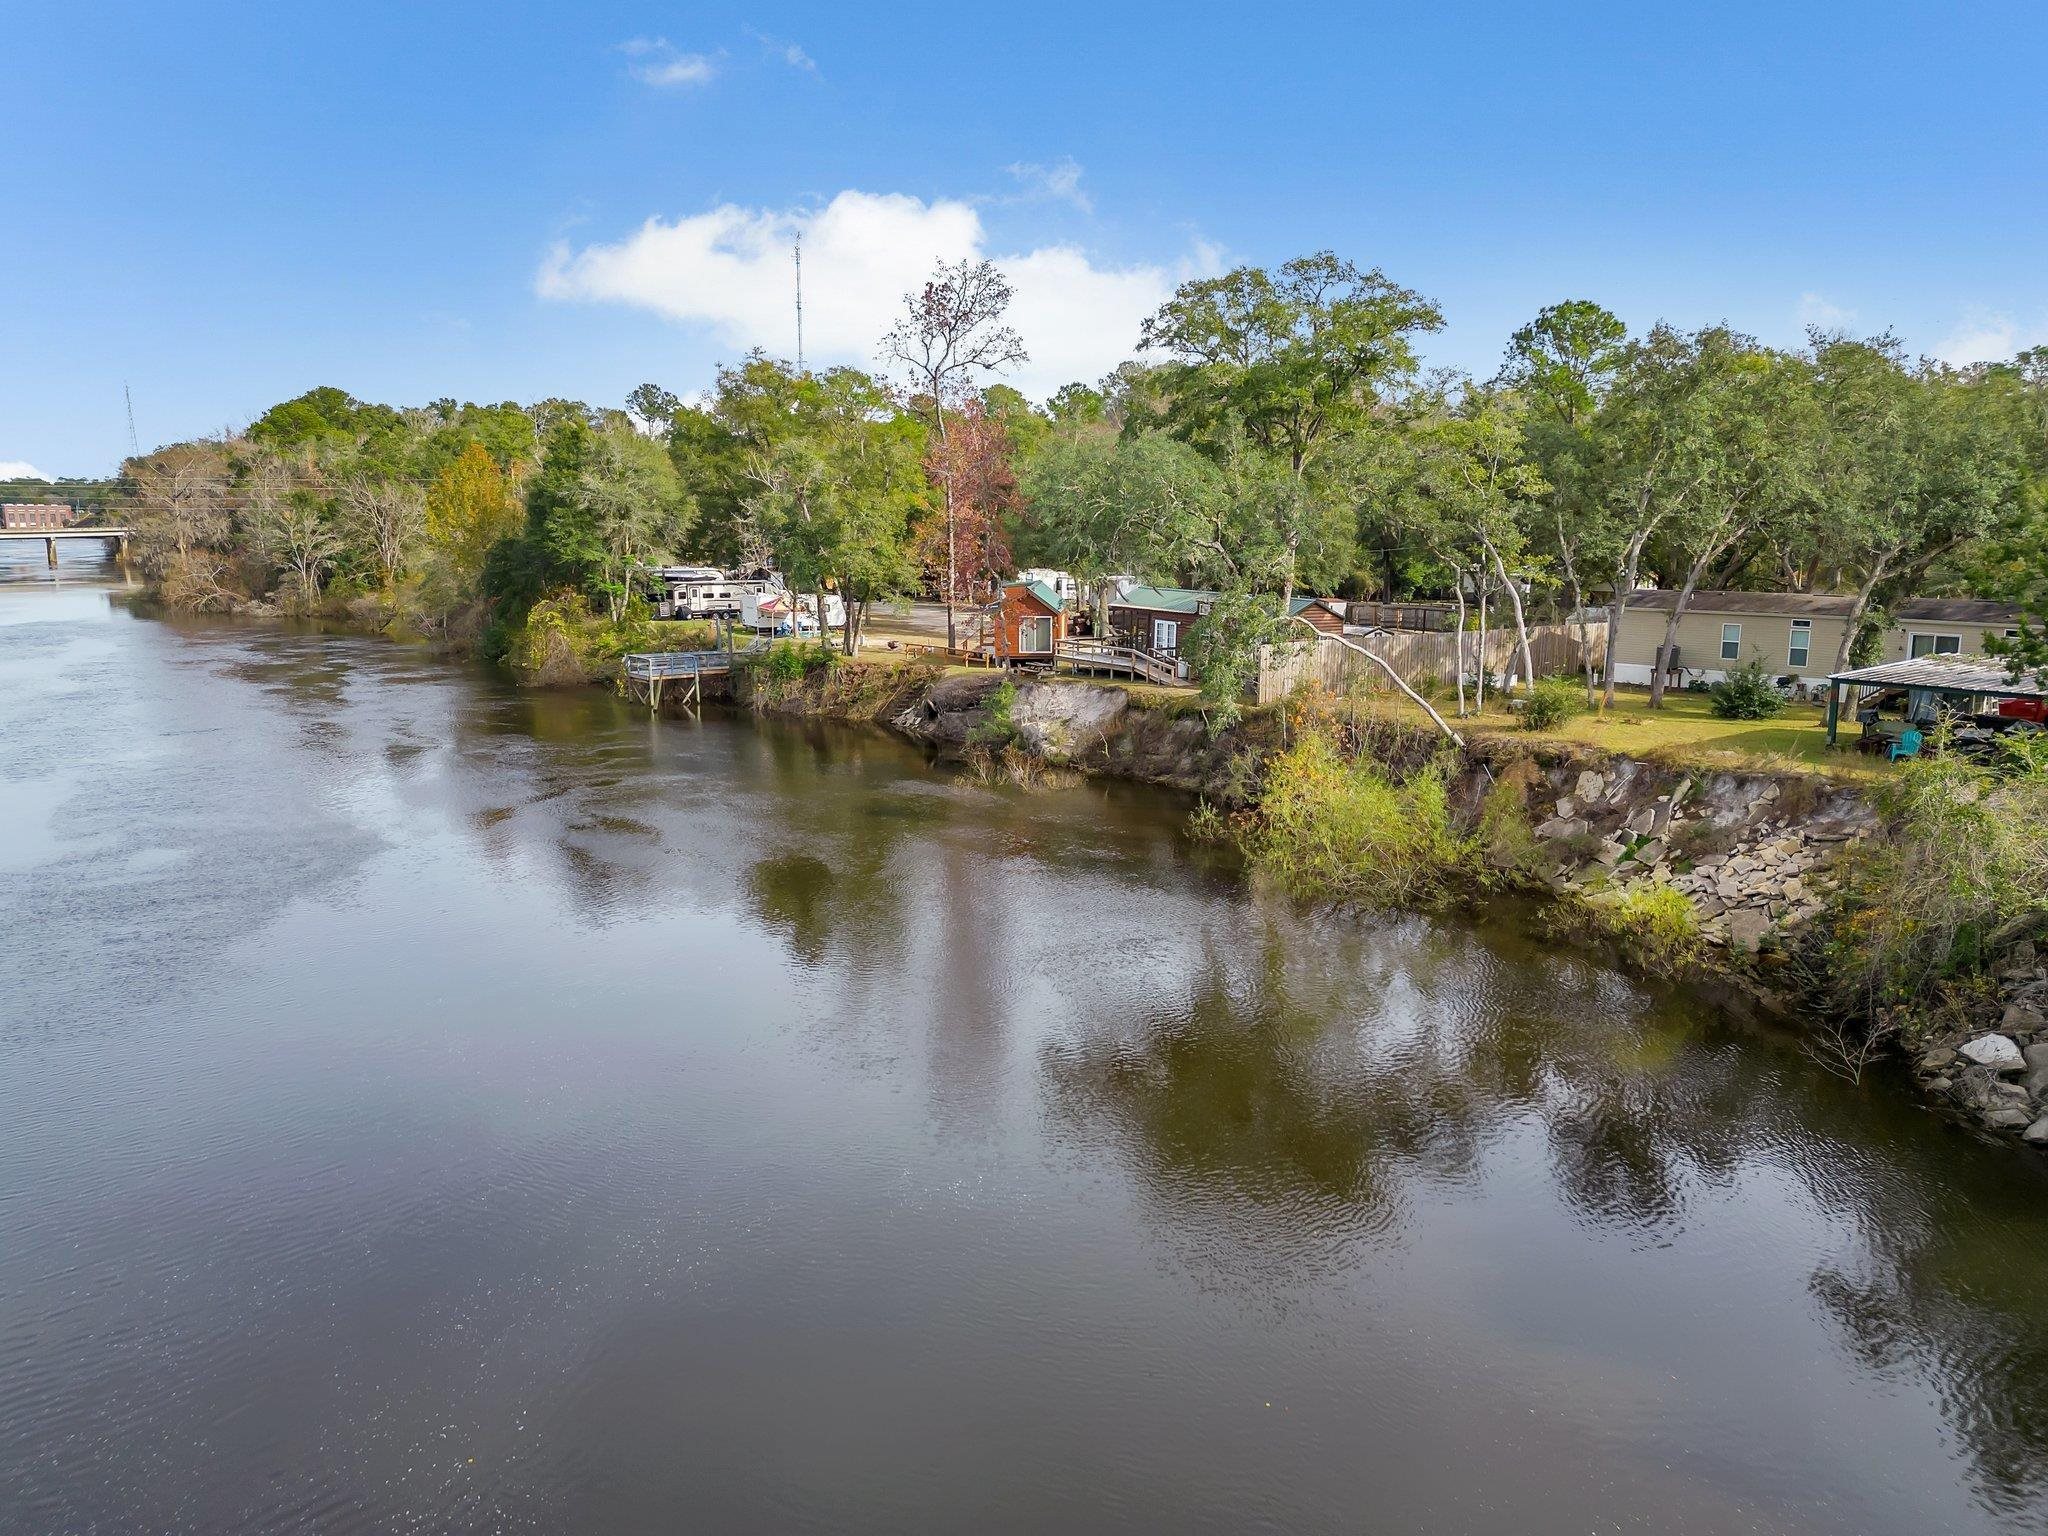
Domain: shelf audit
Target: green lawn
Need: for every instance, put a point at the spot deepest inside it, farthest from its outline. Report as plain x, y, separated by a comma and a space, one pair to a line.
1687, 731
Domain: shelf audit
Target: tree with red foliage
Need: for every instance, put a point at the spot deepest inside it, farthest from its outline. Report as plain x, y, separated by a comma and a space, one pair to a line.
968, 550
951, 333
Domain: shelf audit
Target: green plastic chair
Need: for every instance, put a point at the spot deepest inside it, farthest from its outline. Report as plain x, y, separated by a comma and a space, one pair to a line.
1908, 744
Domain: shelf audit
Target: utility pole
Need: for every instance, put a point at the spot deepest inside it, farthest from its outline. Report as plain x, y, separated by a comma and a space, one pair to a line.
799, 304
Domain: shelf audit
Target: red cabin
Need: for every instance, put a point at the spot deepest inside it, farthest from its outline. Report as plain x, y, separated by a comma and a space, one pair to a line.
1025, 625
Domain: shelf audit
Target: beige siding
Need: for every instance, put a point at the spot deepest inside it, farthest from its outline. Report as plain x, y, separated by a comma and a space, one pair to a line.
1766, 637
1971, 635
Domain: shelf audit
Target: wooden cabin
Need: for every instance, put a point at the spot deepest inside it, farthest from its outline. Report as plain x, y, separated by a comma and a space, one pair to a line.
1024, 625
1325, 613
1157, 619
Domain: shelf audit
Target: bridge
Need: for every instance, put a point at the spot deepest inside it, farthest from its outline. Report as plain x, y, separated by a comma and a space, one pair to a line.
116, 537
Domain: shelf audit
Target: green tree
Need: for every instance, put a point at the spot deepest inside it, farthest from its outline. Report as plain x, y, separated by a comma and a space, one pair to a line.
833, 493
470, 508
1282, 365
628, 511
1101, 505
1913, 464
1562, 364
1747, 451
1292, 358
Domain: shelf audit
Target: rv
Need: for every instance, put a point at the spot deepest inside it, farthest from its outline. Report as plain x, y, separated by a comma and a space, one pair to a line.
702, 592
781, 613
1059, 583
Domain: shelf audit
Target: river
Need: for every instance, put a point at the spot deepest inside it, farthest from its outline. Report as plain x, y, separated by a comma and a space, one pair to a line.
430, 1107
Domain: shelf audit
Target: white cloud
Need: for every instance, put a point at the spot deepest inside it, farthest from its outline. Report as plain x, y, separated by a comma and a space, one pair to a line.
788, 52
1059, 182
663, 64
1829, 316
1988, 336
729, 272
20, 469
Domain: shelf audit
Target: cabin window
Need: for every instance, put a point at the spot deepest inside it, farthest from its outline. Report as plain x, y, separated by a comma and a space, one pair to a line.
1731, 641
1165, 635
1936, 645
1034, 635
1802, 642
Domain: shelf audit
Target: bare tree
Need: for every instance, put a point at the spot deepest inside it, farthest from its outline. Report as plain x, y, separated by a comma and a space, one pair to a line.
291, 527
952, 333
388, 517
181, 497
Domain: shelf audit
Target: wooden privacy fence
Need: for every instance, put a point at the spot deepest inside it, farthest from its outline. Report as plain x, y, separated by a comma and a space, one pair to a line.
1421, 658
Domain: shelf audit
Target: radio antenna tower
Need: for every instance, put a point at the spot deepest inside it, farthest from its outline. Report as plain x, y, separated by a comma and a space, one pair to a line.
134, 447
799, 303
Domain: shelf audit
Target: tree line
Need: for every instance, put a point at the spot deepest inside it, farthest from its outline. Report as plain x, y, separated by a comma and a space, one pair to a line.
1276, 433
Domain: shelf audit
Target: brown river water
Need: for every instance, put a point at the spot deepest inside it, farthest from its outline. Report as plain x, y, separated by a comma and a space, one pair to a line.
428, 1107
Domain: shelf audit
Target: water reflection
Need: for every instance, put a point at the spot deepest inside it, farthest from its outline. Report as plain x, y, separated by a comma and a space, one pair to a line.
399, 1051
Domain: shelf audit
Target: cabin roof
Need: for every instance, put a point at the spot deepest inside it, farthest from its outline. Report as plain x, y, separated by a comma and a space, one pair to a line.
1043, 593
1165, 599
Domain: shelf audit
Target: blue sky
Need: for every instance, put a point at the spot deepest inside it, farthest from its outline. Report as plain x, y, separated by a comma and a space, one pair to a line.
225, 205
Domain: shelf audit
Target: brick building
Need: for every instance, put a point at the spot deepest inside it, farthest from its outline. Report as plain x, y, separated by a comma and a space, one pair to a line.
36, 515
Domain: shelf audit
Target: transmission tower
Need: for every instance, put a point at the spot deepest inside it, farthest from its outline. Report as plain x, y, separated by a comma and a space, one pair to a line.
134, 446
799, 303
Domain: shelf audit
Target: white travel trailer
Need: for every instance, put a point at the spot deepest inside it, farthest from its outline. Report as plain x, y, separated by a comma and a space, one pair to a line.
780, 613
703, 592
1061, 582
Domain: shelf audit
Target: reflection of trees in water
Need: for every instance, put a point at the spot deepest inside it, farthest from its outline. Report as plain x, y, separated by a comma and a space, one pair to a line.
792, 894
1279, 1113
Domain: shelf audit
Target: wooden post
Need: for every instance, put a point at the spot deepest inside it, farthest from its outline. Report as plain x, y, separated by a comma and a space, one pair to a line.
50, 544
1834, 708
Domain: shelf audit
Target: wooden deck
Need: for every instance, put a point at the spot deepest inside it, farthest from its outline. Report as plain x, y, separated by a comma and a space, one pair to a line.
1087, 655
647, 672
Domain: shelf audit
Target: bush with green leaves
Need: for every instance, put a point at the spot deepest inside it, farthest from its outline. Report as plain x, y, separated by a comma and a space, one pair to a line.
1959, 873
1329, 827
1222, 650
998, 727
1661, 925
1552, 702
1747, 693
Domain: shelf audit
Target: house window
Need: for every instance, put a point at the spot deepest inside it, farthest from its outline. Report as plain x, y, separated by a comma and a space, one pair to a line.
1936, 645
1165, 634
1802, 643
1034, 636
1731, 641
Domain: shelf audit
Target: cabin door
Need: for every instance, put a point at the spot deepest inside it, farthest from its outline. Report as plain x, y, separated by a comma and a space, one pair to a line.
1034, 637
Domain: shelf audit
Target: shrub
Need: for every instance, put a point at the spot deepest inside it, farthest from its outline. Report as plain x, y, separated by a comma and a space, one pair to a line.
1506, 841
997, 729
561, 642
1960, 873
1551, 702
1328, 828
1661, 923
783, 663
1747, 694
